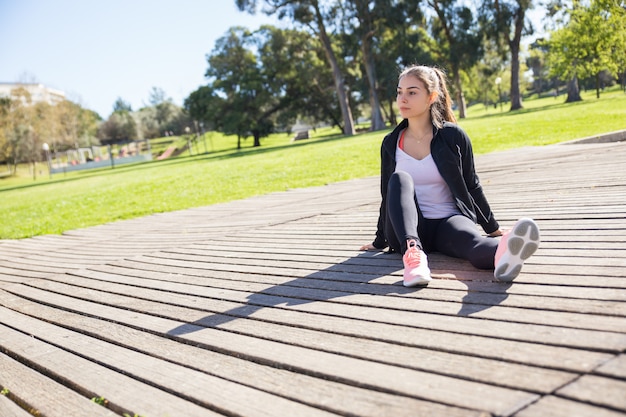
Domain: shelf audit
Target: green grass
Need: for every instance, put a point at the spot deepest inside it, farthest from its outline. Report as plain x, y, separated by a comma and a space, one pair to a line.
87, 198
545, 121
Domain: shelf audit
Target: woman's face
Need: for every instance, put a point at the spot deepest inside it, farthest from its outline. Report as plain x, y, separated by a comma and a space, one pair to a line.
412, 98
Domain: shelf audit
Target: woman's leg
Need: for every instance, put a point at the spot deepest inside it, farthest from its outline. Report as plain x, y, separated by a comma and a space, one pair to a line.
402, 215
458, 236
402, 222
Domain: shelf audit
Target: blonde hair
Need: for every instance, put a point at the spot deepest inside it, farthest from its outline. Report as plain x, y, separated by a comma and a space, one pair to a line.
435, 81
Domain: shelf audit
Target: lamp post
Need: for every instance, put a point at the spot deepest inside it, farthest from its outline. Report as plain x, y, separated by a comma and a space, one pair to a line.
188, 137
46, 149
498, 81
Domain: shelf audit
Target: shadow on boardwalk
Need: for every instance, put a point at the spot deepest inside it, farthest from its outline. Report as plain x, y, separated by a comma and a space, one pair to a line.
321, 287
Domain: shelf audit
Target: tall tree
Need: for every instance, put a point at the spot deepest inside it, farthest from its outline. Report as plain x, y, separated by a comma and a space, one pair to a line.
507, 19
120, 105
258, 81
460, 38
25, 126
593, 40
314, 16
165, 109
369, 16
401, 40
14, 126
119, 127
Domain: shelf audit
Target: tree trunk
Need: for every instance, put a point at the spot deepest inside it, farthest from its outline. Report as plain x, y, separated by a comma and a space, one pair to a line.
573, 93
370, 69
514, 44
516, 97
365, 20
340, 85
598, 85
257, 138
460, 97
393, 120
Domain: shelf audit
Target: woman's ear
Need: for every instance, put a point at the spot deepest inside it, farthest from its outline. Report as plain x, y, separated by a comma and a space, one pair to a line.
433, 97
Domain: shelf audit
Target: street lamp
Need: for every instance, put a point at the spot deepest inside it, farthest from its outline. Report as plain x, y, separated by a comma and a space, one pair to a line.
188, 137
46, 149
498, 81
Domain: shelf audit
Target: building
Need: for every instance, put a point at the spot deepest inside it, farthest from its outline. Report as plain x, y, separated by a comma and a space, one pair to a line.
38, 92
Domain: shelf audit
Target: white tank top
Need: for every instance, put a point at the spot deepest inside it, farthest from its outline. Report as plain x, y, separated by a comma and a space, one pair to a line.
433, 194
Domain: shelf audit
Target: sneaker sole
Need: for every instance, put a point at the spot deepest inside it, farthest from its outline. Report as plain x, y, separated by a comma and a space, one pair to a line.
416, 281
523, 242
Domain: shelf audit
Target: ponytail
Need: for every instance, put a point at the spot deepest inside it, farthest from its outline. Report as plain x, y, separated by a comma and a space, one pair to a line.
441, 109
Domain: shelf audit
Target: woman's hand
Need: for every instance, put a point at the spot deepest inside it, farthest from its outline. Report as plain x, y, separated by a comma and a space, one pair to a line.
368, 246
496, 233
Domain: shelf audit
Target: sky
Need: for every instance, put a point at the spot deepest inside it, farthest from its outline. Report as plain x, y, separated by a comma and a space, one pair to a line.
97, 51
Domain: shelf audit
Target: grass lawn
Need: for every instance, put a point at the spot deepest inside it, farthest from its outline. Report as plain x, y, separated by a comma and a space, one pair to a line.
87, 198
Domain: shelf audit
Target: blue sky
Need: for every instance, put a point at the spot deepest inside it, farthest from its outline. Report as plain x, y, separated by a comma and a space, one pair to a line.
97, 51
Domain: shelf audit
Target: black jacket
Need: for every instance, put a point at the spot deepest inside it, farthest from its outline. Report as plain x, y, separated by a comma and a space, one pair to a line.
451, 150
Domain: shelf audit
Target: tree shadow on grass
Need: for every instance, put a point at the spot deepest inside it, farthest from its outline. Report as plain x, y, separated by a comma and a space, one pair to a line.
354, 276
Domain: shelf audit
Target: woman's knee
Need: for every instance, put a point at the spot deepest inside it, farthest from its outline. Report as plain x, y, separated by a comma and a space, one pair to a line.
399, 182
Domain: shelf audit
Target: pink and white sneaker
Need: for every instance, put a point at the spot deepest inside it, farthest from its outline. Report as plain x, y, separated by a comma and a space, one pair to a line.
416, 271
514, 248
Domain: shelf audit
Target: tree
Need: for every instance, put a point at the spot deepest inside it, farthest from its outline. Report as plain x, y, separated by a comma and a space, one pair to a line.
369, 18
22, 128
236, 73
401, 40
593, 40
459, 38
25, 126
295, 61
507, 19
74, 125
315, 17
119, 127
157, 96
121, 106
536, 62
165, 109
258, 81
13, 126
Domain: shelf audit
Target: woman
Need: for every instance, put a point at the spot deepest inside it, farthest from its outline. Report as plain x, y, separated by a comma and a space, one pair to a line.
431, 195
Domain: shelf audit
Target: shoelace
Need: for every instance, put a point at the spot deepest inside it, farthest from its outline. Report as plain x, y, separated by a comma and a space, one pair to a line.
413, 256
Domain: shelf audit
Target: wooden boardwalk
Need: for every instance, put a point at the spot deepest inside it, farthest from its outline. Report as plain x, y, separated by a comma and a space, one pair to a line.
265, 307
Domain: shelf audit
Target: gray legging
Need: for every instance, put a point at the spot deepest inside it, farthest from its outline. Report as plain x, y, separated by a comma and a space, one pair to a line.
455, 236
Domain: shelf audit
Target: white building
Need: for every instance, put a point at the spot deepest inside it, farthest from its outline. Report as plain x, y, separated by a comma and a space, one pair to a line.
38, 92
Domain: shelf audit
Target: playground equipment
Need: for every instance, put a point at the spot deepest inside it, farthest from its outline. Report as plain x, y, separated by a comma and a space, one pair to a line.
100, 156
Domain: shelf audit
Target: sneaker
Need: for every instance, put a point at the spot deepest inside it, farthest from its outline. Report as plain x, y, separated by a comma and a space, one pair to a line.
416, 270
514, 248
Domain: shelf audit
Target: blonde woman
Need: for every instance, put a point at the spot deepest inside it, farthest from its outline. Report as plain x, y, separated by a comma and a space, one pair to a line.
431, 196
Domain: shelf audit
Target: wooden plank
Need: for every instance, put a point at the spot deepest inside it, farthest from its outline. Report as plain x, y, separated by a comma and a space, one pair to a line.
10, 409
357, 372
277, 258
437, 340
338, 397
35, 394
561, 407
199, 388
598, 390
407, 300
564, 336
615, 368
491, 371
